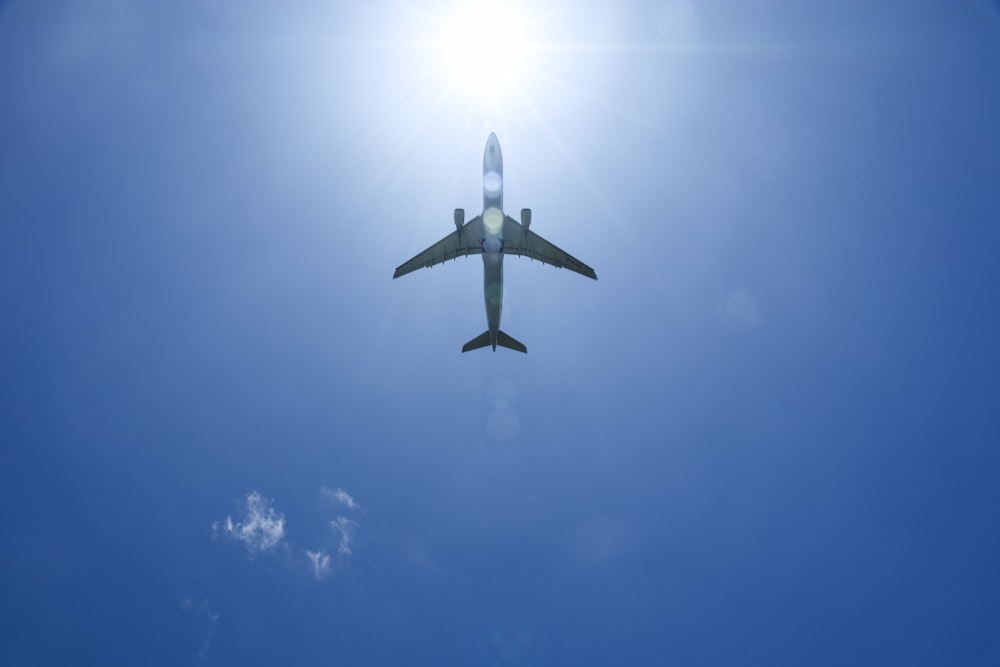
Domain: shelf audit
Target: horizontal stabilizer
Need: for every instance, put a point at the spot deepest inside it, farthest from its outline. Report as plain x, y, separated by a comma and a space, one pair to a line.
511, 344
477, 342
503, 340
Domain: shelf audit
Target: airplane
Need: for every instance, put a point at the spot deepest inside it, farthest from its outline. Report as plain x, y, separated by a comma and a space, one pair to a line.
494, 234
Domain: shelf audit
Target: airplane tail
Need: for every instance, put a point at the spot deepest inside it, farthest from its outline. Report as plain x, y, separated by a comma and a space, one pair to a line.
506, 341
503, 340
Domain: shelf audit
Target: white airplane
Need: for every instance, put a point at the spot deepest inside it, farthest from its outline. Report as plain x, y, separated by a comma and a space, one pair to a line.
493, 235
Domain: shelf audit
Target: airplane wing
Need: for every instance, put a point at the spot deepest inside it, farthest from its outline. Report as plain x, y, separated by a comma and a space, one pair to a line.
466, 241
520, 241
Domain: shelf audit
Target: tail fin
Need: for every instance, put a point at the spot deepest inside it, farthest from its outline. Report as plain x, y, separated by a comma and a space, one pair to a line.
503, 340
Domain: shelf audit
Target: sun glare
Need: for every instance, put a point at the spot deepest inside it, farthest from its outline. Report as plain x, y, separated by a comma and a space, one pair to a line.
485, 46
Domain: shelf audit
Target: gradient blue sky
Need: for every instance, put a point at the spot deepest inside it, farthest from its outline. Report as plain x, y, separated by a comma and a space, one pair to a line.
768, 435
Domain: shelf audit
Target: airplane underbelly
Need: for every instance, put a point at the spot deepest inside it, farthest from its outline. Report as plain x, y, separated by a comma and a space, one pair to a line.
493, 288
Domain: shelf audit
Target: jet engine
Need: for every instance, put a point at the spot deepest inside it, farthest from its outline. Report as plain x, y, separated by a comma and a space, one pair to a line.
526, 218
459, 218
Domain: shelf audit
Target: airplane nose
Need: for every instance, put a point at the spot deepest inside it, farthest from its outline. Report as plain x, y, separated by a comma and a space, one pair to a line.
492, 158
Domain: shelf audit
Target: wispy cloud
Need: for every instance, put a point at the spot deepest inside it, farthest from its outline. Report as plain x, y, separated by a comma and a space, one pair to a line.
340, 496
320, 562
201, 609
261, 529
346, 528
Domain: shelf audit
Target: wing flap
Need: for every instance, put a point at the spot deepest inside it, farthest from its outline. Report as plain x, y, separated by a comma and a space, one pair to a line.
523, 242
460, 243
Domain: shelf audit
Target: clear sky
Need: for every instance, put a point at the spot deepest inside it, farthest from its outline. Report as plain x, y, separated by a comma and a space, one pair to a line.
767, 435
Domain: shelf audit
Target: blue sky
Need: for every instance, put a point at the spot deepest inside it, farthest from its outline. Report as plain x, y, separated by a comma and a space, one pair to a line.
767, 435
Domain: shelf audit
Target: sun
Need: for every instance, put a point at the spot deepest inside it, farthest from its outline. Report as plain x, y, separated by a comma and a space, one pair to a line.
485, 47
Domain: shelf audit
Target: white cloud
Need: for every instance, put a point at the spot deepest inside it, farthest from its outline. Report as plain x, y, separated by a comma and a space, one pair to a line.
203, 651
339, 496
346, 529
199, 607
261, 529
320, 562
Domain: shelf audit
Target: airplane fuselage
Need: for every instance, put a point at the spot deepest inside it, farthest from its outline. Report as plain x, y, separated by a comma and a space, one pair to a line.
493, 235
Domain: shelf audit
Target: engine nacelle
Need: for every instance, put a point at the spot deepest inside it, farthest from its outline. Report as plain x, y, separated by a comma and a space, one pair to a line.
525, 218
459, 218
